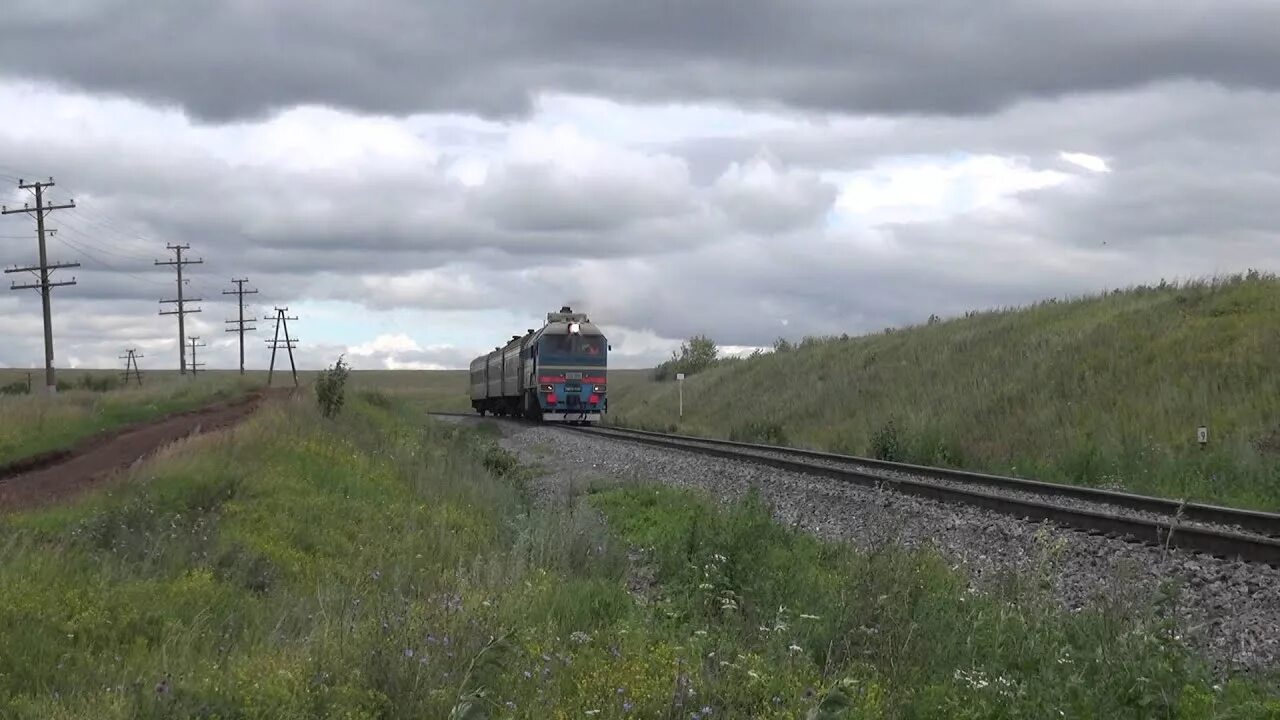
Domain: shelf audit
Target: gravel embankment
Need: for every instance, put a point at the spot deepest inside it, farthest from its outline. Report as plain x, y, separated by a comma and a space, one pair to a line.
1067, 502
1232, 610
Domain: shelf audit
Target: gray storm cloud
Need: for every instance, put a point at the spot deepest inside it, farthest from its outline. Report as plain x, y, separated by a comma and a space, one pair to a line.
425, 173
245, 59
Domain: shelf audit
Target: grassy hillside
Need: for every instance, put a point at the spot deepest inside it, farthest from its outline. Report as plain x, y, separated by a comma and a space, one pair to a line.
1101, 391
381, 565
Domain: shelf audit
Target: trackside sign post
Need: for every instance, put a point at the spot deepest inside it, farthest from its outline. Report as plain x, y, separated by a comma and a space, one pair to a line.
680, 384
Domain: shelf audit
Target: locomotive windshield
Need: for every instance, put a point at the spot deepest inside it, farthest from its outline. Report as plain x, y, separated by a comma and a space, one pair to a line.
588, 349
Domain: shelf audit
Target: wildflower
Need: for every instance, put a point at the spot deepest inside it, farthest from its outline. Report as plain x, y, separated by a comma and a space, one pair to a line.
579, 637
621, 691
626, 706
408, 652
754, 674
511, 705
777, 700
699, 632
593, 712
794, 648
527, 675
809, 617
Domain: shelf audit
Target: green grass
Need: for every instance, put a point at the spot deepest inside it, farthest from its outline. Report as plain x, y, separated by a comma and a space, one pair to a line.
384, 566
35, 424
1100, 391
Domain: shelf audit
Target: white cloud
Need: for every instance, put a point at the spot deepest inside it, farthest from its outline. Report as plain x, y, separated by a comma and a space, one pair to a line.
661, 221
398, 343
1086, 161
930, 189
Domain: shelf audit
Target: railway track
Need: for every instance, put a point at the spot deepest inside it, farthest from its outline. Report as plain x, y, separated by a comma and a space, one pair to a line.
1231, 533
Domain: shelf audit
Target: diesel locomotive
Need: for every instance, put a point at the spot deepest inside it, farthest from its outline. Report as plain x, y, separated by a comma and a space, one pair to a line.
556, 373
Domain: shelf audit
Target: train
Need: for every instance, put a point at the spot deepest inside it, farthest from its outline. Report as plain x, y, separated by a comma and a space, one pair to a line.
557, 373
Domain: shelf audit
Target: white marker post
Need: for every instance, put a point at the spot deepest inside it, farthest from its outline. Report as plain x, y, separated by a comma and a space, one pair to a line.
1202, 436
680, 383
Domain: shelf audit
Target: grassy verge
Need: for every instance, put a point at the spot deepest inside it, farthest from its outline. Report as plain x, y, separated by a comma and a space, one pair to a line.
378, 567
37, 424
1101, 391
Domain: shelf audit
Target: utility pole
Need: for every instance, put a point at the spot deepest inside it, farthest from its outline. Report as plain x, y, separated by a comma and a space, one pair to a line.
287, 343
240, 292
44, 268
131, 360
195, 366
182, 310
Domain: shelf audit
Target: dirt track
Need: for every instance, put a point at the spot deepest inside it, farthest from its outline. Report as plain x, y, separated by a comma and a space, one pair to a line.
56, 476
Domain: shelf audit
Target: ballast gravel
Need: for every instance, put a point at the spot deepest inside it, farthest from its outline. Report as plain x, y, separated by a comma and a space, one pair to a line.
1073, 503
1231, 610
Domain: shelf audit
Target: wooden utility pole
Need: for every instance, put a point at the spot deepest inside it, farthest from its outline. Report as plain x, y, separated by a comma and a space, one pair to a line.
131, 361
240, 292
182, 310
195, 366
42, 270
287, 343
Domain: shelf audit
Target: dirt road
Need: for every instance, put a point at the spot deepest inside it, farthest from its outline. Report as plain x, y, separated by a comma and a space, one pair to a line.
57, 476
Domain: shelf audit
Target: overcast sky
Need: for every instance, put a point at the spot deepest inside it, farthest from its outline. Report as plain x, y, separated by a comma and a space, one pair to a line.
419, 181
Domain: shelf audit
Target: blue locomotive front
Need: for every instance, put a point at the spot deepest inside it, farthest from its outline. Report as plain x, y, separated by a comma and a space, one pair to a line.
557, 373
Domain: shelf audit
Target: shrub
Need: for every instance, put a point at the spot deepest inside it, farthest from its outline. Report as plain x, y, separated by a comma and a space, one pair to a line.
330, 388
14, 388
697, 354
886, 444
97, 383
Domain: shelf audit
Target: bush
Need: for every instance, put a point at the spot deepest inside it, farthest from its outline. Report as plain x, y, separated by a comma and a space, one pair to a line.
14, 388
696, 355
886, 444
96, 383
331, 387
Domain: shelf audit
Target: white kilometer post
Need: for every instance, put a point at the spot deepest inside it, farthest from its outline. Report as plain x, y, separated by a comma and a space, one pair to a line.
680, 383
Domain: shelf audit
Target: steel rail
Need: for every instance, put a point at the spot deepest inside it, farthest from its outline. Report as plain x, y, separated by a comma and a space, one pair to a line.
1221, 543
1263, 523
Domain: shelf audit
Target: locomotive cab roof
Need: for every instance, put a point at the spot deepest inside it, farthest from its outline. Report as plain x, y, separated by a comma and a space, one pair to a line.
567, 321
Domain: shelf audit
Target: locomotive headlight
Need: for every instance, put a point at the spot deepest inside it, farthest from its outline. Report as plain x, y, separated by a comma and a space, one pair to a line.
597, 388
575, 328
548, 388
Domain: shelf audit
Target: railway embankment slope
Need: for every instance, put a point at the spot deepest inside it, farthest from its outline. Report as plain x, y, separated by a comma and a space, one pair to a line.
1104, 391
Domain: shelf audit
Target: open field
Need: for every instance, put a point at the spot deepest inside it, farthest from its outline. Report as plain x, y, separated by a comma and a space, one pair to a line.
35, 424
383, 565
1104, 391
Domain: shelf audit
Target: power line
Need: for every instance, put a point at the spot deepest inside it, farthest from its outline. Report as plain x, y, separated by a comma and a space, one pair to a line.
104, 263
43, 285
277, 343
240, 292
195, 366
182, 310
77, 230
